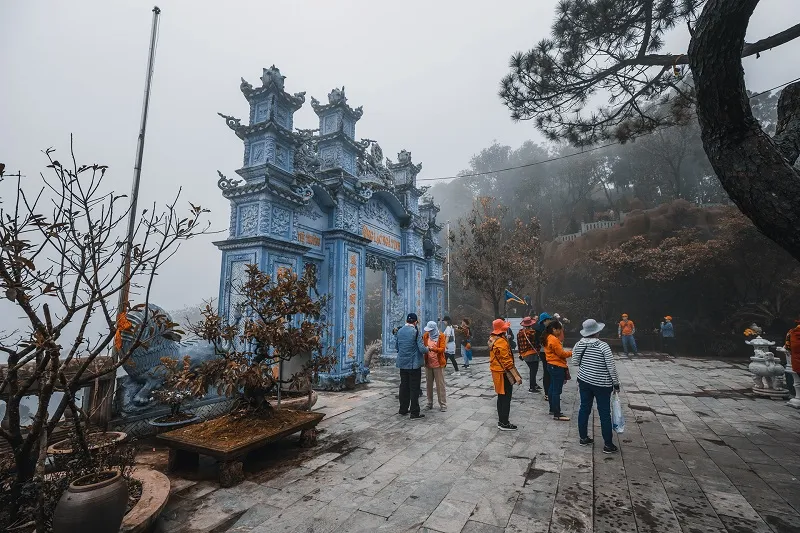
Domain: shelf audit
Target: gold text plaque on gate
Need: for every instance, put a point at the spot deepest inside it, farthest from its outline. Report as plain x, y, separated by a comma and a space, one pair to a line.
381, 239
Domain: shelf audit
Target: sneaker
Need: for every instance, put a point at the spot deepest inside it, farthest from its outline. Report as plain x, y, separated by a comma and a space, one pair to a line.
506, 426
466, 366
610, 449
401, 413
561, 418
531, 390
443, 409
536, 388
417, 417
588, 441
429, 407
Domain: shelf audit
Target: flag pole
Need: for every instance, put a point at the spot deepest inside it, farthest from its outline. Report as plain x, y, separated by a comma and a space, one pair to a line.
124, 294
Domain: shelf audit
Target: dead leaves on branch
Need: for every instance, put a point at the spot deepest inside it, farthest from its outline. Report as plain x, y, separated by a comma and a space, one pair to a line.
276, 320
491, 250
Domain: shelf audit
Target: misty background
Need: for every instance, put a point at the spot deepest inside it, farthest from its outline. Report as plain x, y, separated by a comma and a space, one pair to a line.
427, 74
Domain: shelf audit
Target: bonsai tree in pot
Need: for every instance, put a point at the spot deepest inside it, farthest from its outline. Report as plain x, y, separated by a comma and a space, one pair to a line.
179, 387
278, 320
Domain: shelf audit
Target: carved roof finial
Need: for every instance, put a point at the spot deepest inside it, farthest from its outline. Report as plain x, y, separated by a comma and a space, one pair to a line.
337, 96
245, 86
272, 75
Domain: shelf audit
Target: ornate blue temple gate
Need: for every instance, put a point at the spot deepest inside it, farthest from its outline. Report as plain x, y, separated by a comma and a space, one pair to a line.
322, 198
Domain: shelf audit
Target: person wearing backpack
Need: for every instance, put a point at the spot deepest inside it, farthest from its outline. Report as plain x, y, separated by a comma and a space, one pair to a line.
410, 357
527, 352
597, 379
501, 363
466, 341
450, 342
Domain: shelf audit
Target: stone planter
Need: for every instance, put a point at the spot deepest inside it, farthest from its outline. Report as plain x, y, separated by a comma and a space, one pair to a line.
767, 370
92, 506
64, 447
155, 493
160, 423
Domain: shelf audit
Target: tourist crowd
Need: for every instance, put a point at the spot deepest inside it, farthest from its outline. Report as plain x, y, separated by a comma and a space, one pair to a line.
540, 345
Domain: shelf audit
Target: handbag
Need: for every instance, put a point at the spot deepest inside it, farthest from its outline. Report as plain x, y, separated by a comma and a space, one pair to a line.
513, 375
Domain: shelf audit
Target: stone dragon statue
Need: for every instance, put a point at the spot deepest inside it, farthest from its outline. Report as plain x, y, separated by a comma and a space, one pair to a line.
145, 373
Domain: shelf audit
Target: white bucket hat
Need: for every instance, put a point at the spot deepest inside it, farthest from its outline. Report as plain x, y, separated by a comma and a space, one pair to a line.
431, 326
591, 326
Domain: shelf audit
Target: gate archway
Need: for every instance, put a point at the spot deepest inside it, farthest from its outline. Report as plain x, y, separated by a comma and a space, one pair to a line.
322, 197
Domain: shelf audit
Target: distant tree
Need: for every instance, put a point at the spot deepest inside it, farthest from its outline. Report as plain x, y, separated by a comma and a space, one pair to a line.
611, 46
492, 250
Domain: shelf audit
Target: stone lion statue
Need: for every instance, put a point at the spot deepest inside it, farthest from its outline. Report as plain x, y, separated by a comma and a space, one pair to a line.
144, 369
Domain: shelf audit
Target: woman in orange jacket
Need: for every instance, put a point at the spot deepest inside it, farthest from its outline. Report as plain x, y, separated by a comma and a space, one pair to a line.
435, 361
557, 366
501, 361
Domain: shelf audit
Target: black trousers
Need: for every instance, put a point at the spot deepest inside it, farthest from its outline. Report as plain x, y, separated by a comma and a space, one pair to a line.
452, 358
504, 402
533, 366
545, 375
669, 345
410, 390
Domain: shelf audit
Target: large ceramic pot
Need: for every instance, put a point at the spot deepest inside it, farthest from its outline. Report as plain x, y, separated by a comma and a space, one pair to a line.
92, 504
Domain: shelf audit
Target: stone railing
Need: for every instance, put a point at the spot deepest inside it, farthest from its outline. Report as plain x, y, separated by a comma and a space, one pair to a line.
602, 224
567, 238
605, 224
587, 227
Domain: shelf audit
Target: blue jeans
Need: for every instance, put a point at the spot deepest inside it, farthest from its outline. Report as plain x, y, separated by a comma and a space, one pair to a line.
629, 345
557, 374
602, 395
466, 354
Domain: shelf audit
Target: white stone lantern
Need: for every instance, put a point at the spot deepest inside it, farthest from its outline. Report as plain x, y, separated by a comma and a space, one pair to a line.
768, 379
794, 402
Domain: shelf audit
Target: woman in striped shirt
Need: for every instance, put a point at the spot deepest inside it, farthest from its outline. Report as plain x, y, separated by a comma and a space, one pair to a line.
597, 377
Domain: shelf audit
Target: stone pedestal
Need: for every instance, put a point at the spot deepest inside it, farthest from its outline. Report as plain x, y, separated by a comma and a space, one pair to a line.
794, 402
768, 380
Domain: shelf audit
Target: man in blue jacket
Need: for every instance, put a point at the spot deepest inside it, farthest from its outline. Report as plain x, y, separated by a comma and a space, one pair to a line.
410, 355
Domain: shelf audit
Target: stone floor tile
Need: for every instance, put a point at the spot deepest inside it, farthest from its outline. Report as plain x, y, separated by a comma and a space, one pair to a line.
361, 522
478, 527
450, 516
495, 507
525, 524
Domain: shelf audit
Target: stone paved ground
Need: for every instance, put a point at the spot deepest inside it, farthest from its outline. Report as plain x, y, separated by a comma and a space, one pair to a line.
699, 454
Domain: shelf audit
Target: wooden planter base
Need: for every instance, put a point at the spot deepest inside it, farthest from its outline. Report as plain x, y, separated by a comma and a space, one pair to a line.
230, 438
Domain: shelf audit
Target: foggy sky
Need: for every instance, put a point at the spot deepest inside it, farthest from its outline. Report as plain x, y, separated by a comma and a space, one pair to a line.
426, 72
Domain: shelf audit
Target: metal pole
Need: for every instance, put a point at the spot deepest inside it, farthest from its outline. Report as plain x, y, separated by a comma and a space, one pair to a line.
449, 309
124, 294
